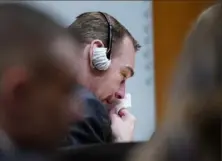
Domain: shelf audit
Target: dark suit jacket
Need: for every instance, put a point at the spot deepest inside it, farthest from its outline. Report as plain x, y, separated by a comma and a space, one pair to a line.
108, 152
94, 128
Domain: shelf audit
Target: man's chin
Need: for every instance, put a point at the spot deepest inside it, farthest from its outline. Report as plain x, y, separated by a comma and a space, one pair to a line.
110, 107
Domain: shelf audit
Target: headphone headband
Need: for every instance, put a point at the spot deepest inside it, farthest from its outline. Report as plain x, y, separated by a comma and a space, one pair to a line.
109, 40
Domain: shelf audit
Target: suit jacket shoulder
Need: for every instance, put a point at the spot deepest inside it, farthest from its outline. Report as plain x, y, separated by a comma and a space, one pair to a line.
94, 128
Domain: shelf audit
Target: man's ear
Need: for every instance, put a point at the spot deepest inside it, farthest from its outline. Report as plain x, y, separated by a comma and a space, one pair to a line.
13, 83
94, 44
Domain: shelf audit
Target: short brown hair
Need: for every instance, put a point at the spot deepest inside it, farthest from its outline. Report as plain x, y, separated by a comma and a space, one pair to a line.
92, 25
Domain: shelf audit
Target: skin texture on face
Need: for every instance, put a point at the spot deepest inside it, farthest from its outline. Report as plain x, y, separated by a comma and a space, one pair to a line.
111, 84
38, 109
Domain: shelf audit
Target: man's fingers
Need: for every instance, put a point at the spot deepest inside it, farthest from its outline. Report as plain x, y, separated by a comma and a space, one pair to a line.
112, 114
112, 111
124, 111
120, 113
127, 115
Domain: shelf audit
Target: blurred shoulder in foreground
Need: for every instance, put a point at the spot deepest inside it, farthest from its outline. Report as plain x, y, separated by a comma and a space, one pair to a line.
192, 131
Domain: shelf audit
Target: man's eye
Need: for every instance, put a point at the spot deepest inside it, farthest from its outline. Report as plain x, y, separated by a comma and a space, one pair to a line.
124, 75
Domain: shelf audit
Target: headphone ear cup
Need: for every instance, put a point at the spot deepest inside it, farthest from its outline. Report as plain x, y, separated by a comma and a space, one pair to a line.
100, 60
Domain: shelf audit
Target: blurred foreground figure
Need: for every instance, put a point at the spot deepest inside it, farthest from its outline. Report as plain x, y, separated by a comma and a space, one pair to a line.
193, 132
36, 80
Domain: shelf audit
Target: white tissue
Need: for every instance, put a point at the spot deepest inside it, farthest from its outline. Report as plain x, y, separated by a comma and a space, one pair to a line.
123, 103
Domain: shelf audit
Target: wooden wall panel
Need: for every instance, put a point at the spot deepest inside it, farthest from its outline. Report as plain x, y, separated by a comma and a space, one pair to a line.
172, 20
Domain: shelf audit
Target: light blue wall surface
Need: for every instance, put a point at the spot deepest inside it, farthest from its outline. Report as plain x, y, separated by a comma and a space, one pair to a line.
137, 17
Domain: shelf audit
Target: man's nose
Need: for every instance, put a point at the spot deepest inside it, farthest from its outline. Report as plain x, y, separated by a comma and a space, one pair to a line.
120, 94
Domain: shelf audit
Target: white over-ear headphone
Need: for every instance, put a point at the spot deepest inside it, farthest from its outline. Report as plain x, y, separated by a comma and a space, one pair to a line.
99, 59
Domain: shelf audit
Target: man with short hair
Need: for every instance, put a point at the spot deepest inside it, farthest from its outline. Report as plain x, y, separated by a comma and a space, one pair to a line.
104, 75
36, 80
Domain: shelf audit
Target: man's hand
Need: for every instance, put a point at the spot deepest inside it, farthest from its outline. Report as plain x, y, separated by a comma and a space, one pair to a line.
122, 127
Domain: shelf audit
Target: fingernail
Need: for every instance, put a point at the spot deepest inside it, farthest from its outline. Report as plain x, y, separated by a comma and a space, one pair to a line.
121, 114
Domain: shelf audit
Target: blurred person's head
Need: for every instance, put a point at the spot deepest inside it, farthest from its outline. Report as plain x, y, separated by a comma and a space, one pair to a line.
36, 77
192, 130
93, 32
